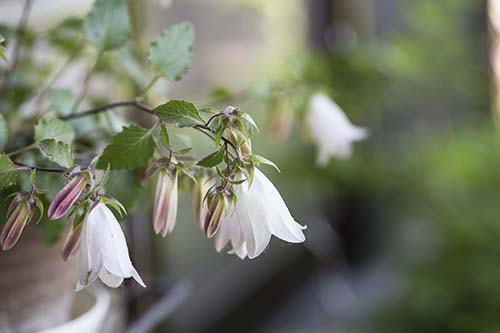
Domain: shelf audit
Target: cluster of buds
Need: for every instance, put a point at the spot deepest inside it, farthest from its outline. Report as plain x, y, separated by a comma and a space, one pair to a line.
19, 214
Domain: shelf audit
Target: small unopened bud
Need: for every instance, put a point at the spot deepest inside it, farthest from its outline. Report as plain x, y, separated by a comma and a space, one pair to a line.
67, 196
214, 215
244, 146
19, 213
280, 122
200, 206
71, 244
165, 207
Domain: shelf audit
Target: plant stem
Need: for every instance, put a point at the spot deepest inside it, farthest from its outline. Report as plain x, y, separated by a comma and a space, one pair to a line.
106, 108
41, 169
43, 92
150, 84
86, 81
23, 22
22, 149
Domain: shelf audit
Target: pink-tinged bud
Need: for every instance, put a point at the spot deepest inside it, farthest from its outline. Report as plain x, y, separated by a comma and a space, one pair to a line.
71, 244
67, 196
214, 215
200, 206
165, 207
17, 217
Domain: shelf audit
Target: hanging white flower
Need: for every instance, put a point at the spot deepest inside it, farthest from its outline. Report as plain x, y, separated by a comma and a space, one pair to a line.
259, 213
331, 129
103, 251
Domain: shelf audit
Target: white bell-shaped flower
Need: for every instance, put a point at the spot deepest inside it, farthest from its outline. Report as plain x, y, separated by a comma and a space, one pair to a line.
331, 129
259, 213
103, 251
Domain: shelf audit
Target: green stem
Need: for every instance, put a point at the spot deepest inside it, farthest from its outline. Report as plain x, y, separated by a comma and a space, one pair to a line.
23, 149
86, 81
149, 86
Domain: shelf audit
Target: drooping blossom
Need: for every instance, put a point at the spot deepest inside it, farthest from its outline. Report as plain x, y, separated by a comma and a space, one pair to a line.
103, 250
165, 206
259, 213
331, 129
67, 196
19, 213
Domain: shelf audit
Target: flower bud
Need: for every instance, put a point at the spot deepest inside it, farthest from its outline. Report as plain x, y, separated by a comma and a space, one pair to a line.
280, 122
244, 146
67, 196
71, 244
214, 215
165, 207
18, 215
200, 206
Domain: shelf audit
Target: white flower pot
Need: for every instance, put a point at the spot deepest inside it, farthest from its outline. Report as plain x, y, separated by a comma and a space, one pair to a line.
90, 309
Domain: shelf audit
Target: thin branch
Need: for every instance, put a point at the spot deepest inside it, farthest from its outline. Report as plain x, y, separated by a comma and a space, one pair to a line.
86, 81
16, 55
41, 169
43, 92
22, 149
108, 107
203, 128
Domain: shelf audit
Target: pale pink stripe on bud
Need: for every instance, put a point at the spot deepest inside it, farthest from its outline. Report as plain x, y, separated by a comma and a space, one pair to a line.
214, 215
165, 206
71, 244
67, 196
18, 216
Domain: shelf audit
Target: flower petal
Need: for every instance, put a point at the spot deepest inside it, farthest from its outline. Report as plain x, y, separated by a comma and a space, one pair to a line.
109, 279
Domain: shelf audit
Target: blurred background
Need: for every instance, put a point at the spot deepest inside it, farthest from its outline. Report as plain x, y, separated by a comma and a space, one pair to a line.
404, 236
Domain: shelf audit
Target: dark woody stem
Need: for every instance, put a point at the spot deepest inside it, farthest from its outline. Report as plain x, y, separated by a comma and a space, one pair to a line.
41, 169
199, 127
108, 107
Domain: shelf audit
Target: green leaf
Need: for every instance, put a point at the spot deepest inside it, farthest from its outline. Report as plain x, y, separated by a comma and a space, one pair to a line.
62, 101
183, 151
164, 137
7, 171
179, 113
257, 159
107, 26
4, 133
209, 110
170, 54
131, 148
66, 35
213, 159
54, 129
2, 50
3, 55
58, 152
